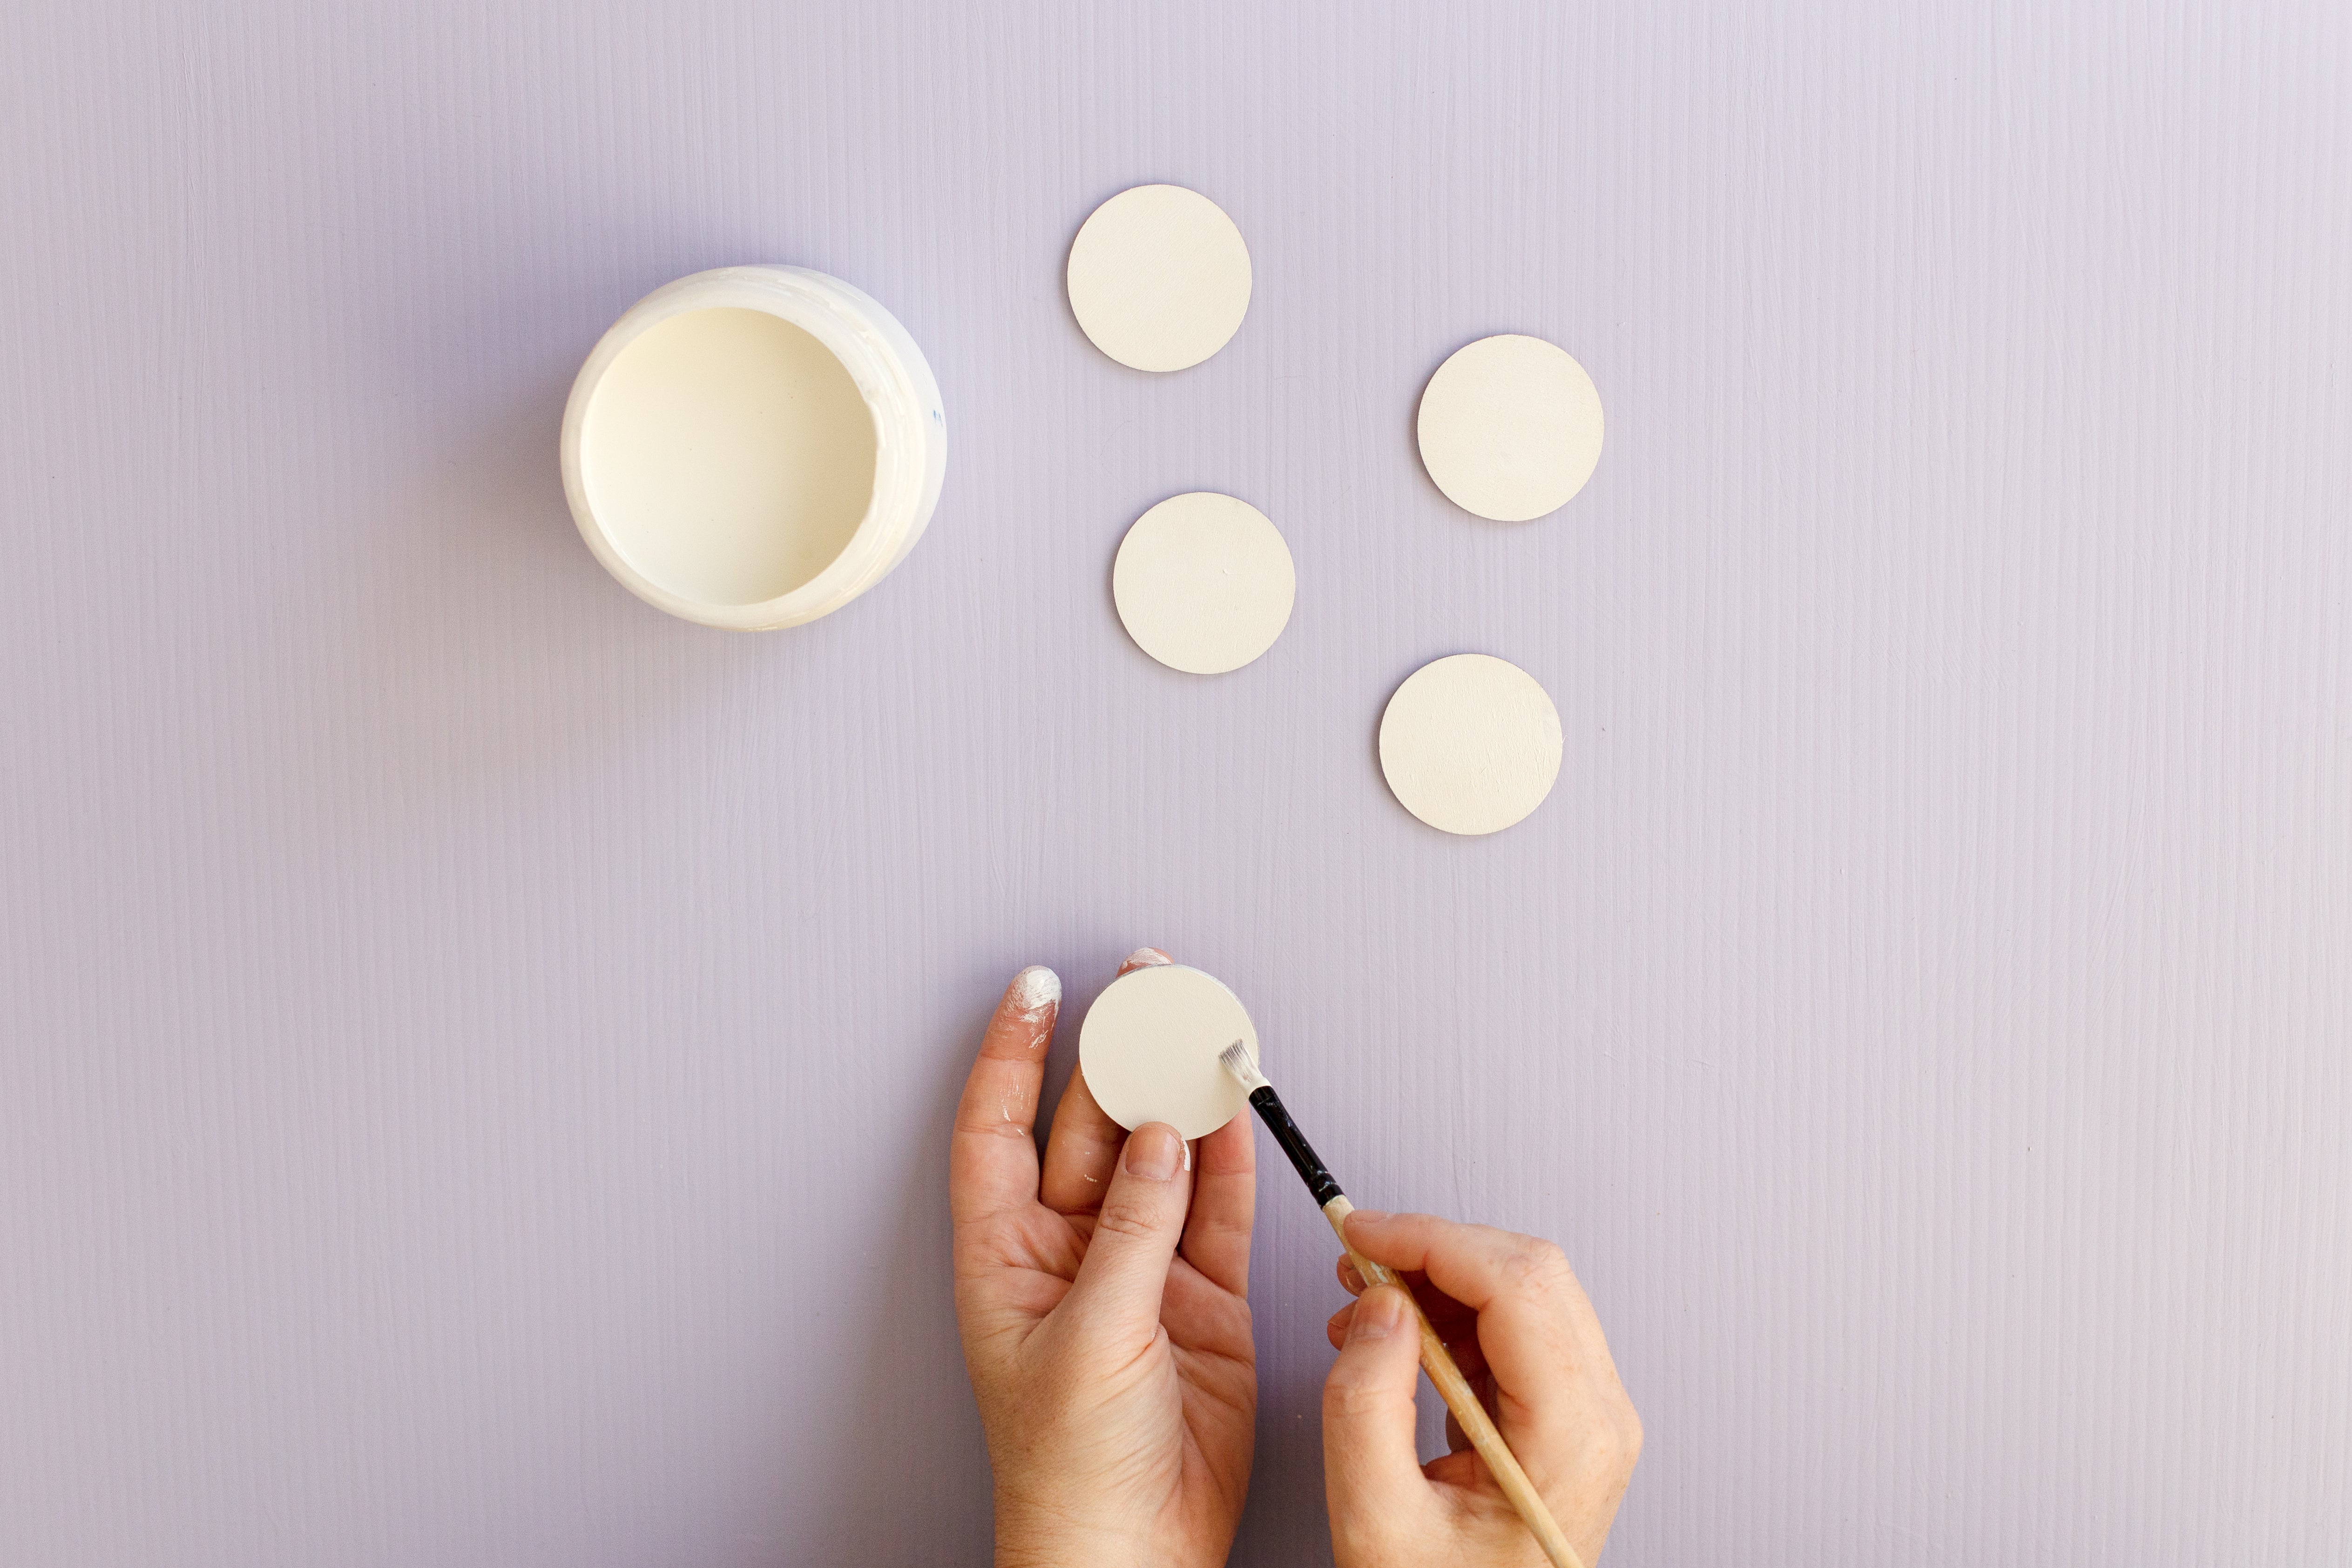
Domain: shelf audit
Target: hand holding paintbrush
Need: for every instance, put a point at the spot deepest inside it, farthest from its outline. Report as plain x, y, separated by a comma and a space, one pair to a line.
1529, 1328
1101, 1286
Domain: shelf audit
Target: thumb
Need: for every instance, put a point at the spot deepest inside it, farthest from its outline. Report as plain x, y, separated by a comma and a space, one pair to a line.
1371, 1469
1142, 1217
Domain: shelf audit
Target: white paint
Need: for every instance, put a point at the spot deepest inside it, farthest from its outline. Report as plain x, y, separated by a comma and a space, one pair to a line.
1470, 743
1203, 582
1149, 1049
1510, 427
753, 446
729, 456
1158, 278
1035, 989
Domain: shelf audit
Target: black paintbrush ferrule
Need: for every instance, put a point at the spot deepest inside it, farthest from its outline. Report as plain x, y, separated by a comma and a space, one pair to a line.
1295, 1144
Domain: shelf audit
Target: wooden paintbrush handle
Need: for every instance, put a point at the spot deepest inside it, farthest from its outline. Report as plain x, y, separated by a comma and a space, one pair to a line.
1463, 1400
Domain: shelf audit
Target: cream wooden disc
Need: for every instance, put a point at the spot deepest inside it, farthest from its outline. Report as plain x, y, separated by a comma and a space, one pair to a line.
1470, 743
1203, 582
1149, 1049
1510, 427
1158, 278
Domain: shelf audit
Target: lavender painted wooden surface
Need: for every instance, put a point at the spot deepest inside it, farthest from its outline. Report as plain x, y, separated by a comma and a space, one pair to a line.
477, 1053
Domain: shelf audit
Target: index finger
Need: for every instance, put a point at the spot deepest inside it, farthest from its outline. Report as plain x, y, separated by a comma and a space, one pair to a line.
991, 1156
1477, 1265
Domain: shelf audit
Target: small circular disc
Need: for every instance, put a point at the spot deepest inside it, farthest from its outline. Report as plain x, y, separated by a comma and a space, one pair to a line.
1203, 582
1510, 427
1470, 743
1158, 278
1149, 1049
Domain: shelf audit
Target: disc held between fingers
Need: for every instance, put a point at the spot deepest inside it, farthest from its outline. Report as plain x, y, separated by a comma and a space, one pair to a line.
1082, 1147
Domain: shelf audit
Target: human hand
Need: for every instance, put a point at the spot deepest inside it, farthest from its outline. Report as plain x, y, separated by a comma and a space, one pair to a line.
1106, 1331
1518, 1325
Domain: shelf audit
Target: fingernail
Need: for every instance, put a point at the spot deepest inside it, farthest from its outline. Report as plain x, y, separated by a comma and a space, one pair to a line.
1368, 1217
1151, 1152
1379, 1314
1146, 958
1033, 990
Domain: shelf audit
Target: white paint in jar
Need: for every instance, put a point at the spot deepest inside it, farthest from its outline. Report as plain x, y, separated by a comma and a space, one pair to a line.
753, 446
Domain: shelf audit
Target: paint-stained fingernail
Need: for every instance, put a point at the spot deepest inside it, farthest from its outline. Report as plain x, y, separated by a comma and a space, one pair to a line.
1378, 1315
1368, 1217
1152, 1152
1349, 1277
1033, 990
1146, 958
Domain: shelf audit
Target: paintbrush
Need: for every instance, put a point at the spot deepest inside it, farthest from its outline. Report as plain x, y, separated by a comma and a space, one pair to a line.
1435, 1359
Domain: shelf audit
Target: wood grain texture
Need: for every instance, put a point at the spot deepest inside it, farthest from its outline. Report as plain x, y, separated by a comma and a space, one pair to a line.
421, 961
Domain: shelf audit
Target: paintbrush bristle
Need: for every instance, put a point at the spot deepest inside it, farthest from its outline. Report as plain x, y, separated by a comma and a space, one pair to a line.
1238, 1061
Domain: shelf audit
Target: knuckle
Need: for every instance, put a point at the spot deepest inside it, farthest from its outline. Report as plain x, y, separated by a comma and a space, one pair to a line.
994, 1127
1534, 1268
1126, 1217
1610, 1448
1345, 1395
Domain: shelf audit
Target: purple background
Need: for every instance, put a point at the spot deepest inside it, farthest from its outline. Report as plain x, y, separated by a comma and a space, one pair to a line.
479, 1052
